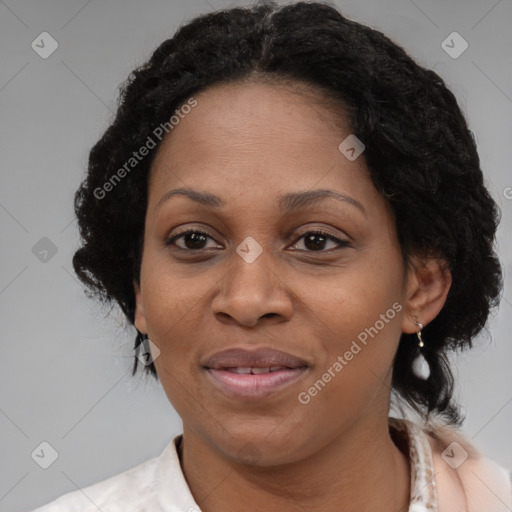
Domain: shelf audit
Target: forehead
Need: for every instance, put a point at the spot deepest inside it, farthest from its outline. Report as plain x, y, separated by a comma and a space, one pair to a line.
234, 112
259, 138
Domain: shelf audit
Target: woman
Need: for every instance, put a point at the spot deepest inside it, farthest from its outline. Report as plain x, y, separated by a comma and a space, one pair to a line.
292, 214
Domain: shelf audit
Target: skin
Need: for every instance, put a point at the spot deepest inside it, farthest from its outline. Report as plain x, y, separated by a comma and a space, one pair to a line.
249, 143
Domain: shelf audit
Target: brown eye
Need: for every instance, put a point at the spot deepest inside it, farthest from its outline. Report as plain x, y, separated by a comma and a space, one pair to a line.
192, 240
315, 241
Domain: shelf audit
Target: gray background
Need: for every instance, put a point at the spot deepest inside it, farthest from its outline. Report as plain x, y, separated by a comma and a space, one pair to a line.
65, 367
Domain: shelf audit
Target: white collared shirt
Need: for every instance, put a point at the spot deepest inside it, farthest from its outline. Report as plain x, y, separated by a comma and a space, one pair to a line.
159, 485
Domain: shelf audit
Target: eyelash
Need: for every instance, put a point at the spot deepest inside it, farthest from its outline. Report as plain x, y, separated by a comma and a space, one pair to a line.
342, 243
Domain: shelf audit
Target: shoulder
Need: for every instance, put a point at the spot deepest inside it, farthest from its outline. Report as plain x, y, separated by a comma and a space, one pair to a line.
131, 490
465, 475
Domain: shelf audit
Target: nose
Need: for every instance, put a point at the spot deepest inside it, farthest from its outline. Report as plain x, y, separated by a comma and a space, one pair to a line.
251, 291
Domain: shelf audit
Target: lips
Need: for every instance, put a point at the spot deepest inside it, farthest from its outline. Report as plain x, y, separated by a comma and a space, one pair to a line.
253, 374
241, 360
256, 370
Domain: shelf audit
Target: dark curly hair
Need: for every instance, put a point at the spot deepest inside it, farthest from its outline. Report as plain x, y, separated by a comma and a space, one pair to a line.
420, 153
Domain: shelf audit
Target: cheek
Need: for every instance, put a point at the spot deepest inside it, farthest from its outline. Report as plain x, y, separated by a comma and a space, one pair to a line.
169, 300
359, 332
360, 316
174, 315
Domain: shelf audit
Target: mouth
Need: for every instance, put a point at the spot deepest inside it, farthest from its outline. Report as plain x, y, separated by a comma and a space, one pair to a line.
254, 370
259, 358
253, 374
256, 373
253, 382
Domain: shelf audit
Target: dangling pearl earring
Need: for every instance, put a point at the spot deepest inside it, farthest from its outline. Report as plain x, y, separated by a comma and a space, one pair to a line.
420, 366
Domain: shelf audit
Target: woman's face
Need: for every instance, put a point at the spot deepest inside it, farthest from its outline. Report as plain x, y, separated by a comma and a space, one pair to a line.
261, 278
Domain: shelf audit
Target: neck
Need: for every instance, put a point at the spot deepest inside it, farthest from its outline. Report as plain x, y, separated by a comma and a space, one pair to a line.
361, 470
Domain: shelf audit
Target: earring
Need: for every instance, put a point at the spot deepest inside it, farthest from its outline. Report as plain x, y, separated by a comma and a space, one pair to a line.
141, 338
420, 366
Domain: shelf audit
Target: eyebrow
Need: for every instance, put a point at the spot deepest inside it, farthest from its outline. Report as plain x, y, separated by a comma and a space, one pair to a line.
287, 202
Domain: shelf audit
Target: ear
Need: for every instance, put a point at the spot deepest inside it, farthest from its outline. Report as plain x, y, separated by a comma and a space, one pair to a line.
428, 284
140, 318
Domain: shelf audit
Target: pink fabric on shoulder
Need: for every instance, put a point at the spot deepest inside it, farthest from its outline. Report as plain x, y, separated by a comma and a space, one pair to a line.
467, 481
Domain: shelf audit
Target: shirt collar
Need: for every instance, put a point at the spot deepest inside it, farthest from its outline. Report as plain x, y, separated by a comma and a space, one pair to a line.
173, 490
423, 496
